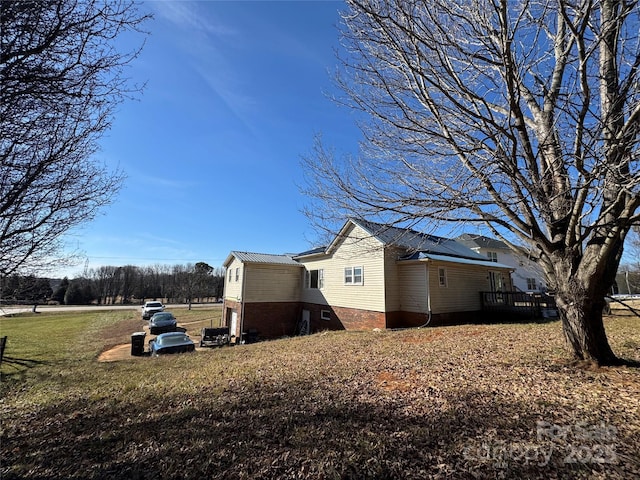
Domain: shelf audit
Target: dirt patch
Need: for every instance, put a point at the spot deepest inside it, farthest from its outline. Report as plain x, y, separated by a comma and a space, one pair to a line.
117, 353
123, 351
391, 382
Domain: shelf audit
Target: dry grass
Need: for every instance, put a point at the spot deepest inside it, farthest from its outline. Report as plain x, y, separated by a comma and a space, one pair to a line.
472, 401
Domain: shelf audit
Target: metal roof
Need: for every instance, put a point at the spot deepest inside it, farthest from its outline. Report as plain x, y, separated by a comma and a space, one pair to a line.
447, 258
266, 258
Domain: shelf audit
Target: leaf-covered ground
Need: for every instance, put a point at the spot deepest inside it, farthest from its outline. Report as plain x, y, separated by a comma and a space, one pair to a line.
471, 401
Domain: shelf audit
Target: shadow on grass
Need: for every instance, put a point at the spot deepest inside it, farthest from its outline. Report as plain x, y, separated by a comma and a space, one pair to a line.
20, 366
23, 362
297, 430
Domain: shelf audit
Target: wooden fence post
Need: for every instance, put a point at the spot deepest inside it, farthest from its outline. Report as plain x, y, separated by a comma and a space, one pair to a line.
3, 343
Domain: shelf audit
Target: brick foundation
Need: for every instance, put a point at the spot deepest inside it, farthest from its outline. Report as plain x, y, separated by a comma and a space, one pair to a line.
272, 320
278, 319
268, 319
343, 318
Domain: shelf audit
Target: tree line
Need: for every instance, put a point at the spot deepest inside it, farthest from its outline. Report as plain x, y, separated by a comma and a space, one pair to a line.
110, 285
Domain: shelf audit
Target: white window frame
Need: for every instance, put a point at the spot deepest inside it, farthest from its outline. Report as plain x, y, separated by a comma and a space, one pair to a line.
442, 277
351, 276
237, 274
230, 275
492, 256
308, 276
532, 284
325, 315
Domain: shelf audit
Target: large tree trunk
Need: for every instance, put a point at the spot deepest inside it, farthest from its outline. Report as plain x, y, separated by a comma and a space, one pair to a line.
583, 328
583, 279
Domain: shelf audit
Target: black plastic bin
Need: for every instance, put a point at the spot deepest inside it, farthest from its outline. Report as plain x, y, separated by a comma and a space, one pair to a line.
251, 336
137, 343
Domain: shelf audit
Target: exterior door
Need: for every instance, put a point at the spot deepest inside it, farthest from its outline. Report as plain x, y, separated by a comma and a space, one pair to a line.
232, 321
497, 286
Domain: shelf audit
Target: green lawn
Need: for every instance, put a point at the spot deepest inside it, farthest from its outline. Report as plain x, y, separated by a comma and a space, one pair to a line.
471, 401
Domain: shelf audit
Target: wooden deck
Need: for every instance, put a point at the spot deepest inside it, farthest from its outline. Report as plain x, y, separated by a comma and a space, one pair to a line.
519, 304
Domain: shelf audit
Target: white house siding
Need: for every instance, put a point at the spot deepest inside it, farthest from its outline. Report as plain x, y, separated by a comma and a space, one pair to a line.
412, 282
523, 268
272, 283
393, 290
233, 288
356, 250
524, 271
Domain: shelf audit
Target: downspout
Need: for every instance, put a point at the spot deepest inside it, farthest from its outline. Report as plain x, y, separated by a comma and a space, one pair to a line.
428, 303
428, 296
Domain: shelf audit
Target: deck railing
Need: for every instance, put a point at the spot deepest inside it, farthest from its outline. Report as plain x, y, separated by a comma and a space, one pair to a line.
522, 304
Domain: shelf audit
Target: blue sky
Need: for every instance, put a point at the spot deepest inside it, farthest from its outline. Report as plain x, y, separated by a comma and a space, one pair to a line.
236, 92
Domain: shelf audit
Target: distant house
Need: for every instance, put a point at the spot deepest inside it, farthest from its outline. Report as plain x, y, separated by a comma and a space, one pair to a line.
369, 276
626, 283
527, 276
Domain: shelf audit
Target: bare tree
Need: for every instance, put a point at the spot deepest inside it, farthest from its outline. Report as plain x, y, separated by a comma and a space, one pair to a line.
203, 279
218, 282
61, 79
633, 247
105, 283
520, 115
127, 277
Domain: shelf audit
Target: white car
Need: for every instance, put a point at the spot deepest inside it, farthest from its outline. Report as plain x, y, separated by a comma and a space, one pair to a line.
149, 308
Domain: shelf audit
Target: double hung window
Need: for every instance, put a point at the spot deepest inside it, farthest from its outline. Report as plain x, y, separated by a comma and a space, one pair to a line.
442, 277
353, 276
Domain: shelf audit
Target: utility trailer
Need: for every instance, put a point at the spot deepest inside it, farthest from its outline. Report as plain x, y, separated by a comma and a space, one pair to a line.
215, 337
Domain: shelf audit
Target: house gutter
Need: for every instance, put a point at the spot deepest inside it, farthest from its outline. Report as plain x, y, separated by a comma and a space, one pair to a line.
428, 297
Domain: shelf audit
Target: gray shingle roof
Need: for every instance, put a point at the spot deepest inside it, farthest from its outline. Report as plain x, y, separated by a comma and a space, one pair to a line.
478, 241
313, 251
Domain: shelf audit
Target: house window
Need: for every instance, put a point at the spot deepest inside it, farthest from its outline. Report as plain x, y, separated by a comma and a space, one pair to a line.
314, 278
531, 284
442, 277
230, 274
237, 274
325, 314
353, 276
492, 256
